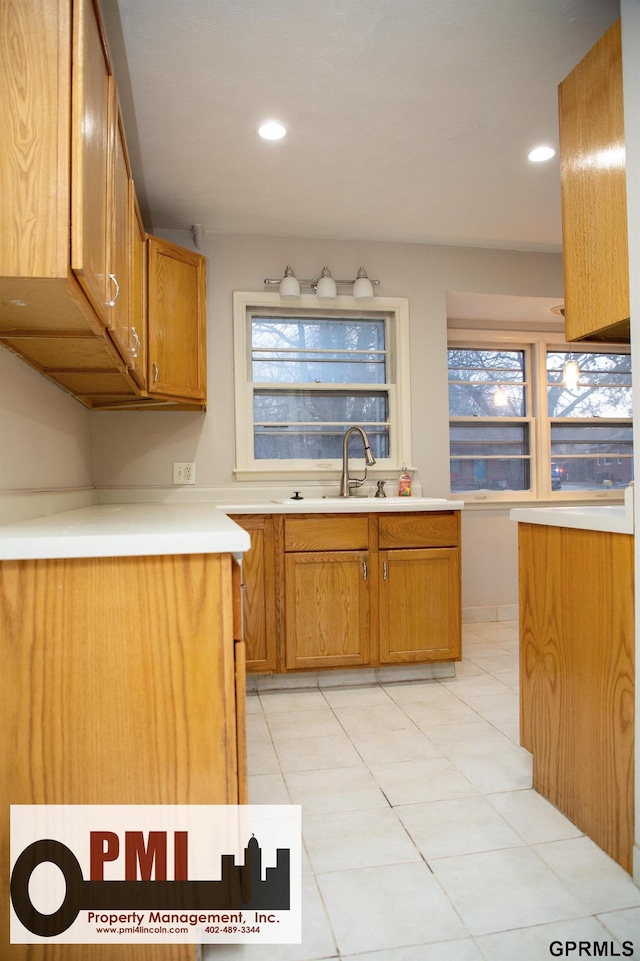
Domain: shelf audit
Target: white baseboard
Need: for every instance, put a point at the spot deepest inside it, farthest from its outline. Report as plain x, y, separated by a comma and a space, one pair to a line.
499, 612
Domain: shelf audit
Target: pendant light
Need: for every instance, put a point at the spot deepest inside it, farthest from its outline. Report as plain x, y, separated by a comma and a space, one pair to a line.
570, 373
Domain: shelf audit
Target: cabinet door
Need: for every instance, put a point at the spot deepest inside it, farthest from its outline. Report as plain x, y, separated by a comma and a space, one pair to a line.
137, 291
120, 236
176, 321
420, 618
259, 595
90, 221
327, 609
594, 200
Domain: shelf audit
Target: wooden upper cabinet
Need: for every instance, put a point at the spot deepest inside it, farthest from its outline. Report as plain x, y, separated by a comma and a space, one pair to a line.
93, 124
176, 321
137, 291
36, 100
593, 182
72, 255
120, 237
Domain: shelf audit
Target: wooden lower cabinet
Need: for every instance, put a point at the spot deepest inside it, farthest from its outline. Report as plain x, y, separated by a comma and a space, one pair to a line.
577, 677
122, 684
419, 605
259, 592
351, 590
327, 609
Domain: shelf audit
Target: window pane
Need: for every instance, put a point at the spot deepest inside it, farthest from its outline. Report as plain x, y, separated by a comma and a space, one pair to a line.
330, 368
471, 439
342, 407
604, 388
300, 424
318, 333
591, 458
482, 474
489, 457
316, 442
487, 383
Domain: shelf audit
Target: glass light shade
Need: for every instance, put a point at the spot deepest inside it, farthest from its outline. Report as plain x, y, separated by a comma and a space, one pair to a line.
289, 285
326, 288
570, 374
362, 288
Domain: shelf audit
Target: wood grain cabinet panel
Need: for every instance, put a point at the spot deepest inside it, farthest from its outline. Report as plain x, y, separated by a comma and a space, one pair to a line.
419, 605
327, 609
121, 686
594, 199
93, 128
326, 532
577, 676
429, 529
176, 321
259, 593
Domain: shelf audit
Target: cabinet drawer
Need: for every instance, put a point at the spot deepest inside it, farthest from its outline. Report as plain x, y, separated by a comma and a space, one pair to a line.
432, 529
326, 532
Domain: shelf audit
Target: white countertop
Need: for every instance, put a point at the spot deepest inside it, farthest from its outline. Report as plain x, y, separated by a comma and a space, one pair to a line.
124, 530
194, 527
339, 505
614, 519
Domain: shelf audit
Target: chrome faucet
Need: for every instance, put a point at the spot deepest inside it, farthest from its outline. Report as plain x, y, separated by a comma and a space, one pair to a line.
346, 482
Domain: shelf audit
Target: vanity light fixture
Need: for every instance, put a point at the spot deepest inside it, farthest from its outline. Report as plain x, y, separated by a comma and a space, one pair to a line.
324, 285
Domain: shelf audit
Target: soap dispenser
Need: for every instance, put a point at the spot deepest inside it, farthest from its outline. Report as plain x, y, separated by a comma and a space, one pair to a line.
404, 483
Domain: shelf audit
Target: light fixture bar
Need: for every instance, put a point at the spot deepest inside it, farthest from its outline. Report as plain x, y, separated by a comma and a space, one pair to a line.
276, 281
324, 286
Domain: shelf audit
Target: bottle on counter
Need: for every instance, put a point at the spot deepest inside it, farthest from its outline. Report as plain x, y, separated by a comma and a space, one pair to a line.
404, 483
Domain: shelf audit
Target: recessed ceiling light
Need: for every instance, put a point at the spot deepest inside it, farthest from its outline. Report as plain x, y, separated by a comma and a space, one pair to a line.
539, 154
272, 130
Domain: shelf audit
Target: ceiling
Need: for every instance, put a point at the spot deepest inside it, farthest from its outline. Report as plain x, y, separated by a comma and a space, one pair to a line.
409, 120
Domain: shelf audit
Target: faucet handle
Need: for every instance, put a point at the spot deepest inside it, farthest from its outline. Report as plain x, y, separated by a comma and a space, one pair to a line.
380, 491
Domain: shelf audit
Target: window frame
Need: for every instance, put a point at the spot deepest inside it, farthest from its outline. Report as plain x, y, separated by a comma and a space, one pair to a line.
398, 386
535, 344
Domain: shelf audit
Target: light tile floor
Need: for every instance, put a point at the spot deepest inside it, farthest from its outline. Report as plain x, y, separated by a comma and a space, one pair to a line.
423, 839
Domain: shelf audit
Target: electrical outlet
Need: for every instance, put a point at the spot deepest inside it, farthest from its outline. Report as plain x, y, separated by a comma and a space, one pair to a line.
184, 473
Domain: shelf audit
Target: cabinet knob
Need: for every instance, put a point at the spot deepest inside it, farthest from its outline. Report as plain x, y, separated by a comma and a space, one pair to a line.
112, 277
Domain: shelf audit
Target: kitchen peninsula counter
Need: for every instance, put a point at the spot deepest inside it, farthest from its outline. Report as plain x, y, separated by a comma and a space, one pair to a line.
123, 672
576, 575
124, 530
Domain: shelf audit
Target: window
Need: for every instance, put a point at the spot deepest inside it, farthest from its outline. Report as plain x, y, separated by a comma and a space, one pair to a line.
489, 402
305, 374
516, 431
591, 431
